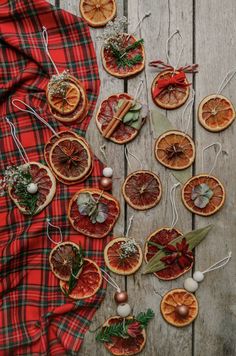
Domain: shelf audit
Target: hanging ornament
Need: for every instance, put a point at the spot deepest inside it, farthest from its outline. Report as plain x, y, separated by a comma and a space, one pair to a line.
79, 277
31, 186
67, 154
122, 54
216, 112
141, 189
97, 13
191, 284
120, 117
93, 212
123, 255
124, 334
66, 95
204, 194
179, 307
170, 88
175, 149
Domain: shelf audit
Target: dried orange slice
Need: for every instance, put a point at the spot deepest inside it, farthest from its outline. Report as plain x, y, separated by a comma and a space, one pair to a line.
216, 113
78, 103
98, 12
124, 346
83, 224
179, 307
109, 61
171, 97
61, 259
203, 195
70, 159
89, 281
46, 183
175, 149
163, 237
123, 256
142, 190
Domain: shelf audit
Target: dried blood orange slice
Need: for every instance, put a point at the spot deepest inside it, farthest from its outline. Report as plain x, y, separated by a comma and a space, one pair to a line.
98, 12
216, 113
203, 195
142, 190
124, 346
175, 149
46, 183
179, 307
70, 159
89, 281
163, 237
173, 96
110, 64
61, 259
78, 103
123, 256
83, 223
123, 133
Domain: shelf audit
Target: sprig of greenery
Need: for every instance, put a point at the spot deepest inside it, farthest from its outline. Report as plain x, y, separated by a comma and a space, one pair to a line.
134, 45
122, 55
77, 264
144, 318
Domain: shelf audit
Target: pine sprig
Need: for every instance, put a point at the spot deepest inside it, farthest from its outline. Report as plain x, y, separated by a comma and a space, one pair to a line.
144, 318
25, 199
122, 58
77, 264
134, 45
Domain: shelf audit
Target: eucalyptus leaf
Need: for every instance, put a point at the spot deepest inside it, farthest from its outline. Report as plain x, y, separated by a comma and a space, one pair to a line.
83, 198
136, 107
193, 239
128, 117
201, 195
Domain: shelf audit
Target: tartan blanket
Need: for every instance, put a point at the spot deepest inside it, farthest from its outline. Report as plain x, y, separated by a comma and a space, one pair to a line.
35, 317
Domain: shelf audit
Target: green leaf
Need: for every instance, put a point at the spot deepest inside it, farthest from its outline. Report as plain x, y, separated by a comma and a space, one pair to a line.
144, 318
193, 238
128, 117
201, 195
77, 264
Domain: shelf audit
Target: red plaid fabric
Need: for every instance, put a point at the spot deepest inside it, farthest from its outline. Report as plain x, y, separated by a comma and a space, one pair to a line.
35, 317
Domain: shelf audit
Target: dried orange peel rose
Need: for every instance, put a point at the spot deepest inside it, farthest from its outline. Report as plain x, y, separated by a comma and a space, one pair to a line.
175, 150
216, 113
179, 307
123, 256
98, 12
203, 194
142, 190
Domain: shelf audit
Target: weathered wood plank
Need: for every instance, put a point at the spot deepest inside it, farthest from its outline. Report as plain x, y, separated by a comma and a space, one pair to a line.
146, 291
215, 52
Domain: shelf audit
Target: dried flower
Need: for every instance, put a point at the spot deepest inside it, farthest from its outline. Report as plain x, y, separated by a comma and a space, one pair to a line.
179, 253
201, 195
88, 206
113, 32
58, 84
128, 248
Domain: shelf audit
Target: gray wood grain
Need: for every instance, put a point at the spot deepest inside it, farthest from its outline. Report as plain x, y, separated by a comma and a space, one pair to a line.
208, 29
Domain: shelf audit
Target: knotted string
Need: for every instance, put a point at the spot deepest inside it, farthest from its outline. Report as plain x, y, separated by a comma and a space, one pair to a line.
181, 50
228, 77
138, 90
127, 154
216, 157
56, 227
110, 280
33, 112
129, 226
175, 216
147, 14
219, 264
102, 149
189, 105
17, 142
45, 41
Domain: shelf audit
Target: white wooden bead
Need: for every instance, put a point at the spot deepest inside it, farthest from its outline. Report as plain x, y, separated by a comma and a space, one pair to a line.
190, 285
123, 310
32, 188
107, 172
198, 276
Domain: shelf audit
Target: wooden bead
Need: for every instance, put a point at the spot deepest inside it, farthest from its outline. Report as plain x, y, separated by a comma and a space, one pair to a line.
106, 183
182, 310
121, 297
123, 310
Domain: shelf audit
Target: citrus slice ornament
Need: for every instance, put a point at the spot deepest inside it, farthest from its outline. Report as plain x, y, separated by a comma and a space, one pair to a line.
179, 307
170, 88
216, 112
175, 150
31, 186
93, 212
142, 190
204, 194
66, 95
122, 54
97, 12
130, 121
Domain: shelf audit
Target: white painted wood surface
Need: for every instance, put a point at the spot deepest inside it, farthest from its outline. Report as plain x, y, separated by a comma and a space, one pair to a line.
209, 30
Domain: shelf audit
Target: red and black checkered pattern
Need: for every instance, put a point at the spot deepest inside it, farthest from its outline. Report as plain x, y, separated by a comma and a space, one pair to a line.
35, 317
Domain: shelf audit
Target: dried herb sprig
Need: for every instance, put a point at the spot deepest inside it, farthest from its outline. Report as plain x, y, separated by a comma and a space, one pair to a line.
77, 264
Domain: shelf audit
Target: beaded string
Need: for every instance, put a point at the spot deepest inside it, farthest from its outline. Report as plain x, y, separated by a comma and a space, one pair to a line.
216, 157
102, 149
175, 215
110, 280
17, 142
127, 154
219, 264
45, 41
32, 112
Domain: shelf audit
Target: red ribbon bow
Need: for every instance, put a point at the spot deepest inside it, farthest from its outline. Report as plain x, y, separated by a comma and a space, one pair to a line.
176, 80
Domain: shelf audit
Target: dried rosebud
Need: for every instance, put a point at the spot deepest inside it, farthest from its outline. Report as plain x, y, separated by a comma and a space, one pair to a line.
134, 329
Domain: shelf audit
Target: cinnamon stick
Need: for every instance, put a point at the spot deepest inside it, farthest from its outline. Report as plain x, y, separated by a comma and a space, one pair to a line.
125, 107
